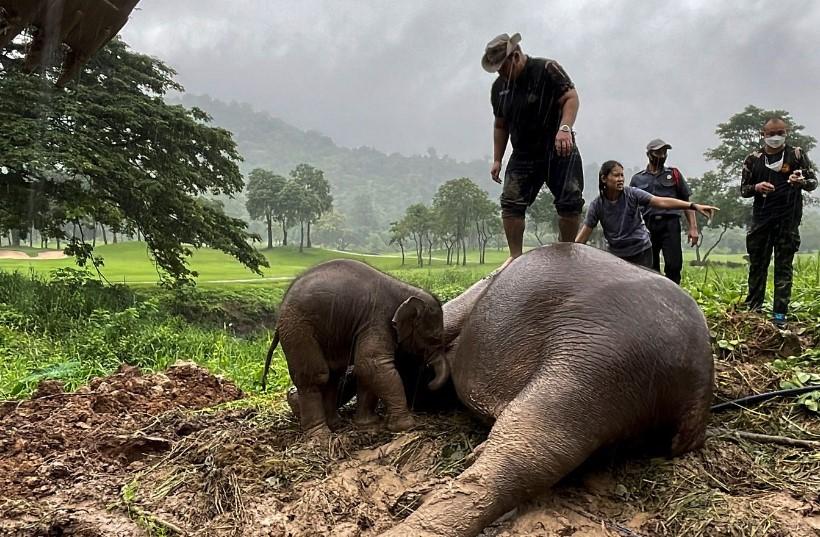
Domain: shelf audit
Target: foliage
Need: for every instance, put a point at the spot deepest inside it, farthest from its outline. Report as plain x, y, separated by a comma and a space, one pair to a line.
264, 199
542, 216
734, 212
72, 328
109, 148
740, 136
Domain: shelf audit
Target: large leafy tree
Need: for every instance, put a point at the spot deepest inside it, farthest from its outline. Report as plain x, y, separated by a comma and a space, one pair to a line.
739, 136
456, 205
264, 198
313, 180
110, 149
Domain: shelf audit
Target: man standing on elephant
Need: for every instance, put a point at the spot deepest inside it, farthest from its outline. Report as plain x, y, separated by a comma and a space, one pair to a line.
776, 176
664, 224
535, 105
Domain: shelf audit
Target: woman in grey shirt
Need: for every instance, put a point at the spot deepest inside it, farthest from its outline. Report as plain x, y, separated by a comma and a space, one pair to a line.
617, 208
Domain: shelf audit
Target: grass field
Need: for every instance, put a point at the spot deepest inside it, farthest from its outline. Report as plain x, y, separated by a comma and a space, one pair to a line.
129, 263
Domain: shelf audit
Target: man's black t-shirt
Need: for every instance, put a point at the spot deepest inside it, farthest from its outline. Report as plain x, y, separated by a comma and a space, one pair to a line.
529, 105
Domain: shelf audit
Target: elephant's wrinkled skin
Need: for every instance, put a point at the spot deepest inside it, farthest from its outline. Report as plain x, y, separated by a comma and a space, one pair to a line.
344, 313
84, 26
569, 350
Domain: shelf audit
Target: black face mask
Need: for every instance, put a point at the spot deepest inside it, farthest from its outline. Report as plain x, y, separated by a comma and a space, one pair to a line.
658, 162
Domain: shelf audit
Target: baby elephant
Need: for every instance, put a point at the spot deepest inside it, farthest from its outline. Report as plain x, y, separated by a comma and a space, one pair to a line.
343, 312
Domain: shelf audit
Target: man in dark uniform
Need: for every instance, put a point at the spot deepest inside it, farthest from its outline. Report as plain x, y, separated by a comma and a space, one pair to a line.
664, 224
776, 176
534, 103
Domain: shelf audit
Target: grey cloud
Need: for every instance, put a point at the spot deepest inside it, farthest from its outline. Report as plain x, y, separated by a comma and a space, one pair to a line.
406, 76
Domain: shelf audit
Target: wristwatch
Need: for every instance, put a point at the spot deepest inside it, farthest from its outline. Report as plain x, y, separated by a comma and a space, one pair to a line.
565, 128
692, 207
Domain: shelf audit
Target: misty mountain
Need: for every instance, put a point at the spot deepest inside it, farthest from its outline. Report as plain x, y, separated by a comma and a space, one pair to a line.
370, 187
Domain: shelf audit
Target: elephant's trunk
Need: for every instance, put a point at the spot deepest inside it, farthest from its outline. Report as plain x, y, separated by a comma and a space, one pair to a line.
442, 372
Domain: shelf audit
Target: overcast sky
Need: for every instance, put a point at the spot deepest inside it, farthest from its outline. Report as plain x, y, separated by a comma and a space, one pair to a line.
404, 76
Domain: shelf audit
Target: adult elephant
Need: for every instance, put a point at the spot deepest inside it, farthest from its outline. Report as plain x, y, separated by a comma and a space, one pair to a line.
568, 350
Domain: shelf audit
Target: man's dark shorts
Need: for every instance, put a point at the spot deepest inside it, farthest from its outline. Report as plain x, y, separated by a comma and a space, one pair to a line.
524, 178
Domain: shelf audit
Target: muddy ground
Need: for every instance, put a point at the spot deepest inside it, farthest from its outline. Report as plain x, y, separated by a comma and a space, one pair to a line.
184, 453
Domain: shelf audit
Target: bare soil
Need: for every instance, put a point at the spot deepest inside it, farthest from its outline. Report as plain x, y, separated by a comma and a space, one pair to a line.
184, 453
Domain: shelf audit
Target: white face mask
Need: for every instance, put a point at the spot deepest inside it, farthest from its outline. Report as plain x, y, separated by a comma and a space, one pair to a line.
775, 142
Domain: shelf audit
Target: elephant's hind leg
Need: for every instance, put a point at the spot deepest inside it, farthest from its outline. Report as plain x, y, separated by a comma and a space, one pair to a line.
311, 375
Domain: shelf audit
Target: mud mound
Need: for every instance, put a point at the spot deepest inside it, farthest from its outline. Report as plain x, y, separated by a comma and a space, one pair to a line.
57, 439
138, 455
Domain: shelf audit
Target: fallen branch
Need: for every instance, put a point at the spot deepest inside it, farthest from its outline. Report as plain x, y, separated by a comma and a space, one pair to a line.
765, 438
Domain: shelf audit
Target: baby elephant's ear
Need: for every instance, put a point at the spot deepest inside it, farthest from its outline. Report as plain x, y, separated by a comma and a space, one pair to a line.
404, 320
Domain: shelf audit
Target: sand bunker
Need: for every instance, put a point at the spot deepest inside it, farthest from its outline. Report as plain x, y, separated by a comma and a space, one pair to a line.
41, 256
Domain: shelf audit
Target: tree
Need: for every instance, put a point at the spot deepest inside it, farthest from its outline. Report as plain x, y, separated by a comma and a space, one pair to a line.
109, 148
713, 189
264, 197
313, 179
486, 215
418, 223
542, 216
398, 234
332, 229
739, 137
298, 205
455, 205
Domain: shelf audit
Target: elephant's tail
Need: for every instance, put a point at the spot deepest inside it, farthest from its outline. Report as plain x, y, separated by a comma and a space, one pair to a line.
269, 357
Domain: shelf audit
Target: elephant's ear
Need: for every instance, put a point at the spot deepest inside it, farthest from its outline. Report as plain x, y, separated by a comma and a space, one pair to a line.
404, 320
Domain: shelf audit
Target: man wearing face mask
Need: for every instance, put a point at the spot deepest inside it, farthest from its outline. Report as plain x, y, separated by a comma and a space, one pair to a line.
664, 224
776, 176
535, 104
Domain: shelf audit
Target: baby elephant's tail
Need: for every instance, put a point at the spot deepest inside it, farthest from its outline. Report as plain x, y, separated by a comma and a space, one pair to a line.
268, 358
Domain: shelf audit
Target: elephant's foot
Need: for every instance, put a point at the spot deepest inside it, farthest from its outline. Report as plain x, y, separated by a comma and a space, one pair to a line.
366, 420
319, 435
293, 401
334, 422
401, 422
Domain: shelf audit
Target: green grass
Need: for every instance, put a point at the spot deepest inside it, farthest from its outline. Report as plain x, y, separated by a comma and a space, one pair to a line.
69, 326
129, 263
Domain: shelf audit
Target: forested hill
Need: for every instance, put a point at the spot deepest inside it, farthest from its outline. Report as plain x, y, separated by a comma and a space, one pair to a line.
368, 186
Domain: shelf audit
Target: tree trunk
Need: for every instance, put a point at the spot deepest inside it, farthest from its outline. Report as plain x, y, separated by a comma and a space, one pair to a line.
284, 233
105, 236
269, 219
301, 235
308, 234
709, 251
31, 237
401, 245
114, 237
94, 235
58, 242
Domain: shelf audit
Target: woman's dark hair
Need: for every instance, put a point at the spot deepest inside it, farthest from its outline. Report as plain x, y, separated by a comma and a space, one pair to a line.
606, 168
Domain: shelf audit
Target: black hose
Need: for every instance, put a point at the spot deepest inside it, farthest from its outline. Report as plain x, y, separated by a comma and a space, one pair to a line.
763, 397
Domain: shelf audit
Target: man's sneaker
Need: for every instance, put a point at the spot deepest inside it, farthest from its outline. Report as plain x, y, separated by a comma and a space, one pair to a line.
779, 320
